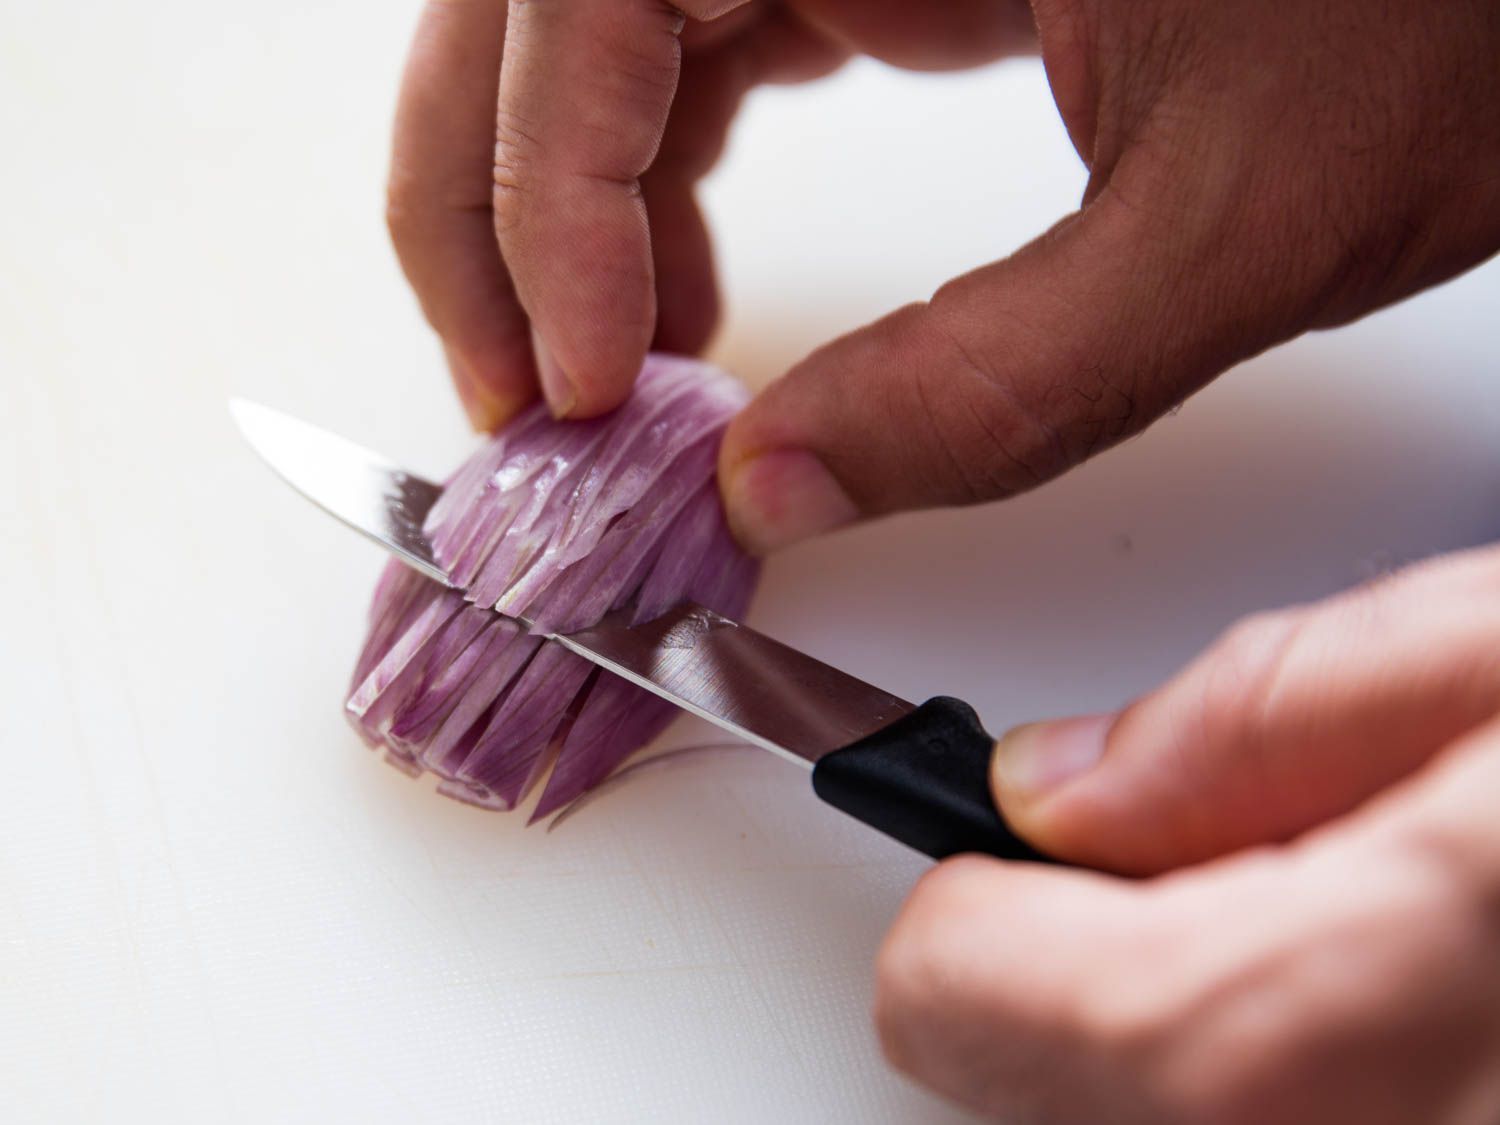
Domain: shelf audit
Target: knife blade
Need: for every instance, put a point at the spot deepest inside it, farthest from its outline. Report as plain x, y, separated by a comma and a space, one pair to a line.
916, 773
743, 681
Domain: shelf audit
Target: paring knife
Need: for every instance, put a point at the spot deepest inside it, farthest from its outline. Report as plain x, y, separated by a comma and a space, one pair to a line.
918, 774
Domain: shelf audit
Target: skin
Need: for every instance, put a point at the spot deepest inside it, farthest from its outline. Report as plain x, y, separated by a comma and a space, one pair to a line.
1347, 975
1312, 919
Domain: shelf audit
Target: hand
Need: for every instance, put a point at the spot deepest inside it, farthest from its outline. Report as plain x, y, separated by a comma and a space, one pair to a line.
1348, 976
1255, 171
609, 111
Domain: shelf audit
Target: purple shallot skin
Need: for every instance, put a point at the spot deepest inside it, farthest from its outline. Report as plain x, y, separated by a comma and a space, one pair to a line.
559, 523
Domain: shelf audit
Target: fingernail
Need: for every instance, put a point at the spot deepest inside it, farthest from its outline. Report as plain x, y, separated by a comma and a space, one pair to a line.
783, 496
487, 409
557, 388
1033, 760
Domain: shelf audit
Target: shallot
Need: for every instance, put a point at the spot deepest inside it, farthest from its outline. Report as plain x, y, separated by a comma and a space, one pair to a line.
554, 524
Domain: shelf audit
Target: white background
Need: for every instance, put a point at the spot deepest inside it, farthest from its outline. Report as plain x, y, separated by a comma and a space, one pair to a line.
214, 905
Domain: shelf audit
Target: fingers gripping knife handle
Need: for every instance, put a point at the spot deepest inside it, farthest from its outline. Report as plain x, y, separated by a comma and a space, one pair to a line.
924, 780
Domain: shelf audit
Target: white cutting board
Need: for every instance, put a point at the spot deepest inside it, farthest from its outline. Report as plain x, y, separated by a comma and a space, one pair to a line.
216, 906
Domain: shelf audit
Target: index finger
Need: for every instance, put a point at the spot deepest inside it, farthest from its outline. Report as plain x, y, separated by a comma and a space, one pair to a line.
585, 90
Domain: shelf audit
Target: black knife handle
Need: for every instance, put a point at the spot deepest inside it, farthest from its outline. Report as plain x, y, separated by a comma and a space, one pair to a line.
924, 780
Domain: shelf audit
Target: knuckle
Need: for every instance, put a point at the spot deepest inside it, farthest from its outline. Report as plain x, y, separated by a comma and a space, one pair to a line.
1126, 1031
400, 207
997, 438
397, 221
1236, 686
518, 149
1248, 657
947, 885
907, 953
899, 971
1034, 402
891, 1021
1121, 1021
913, 977
1129, 1021
1249, 641
1183, 1049
643, 72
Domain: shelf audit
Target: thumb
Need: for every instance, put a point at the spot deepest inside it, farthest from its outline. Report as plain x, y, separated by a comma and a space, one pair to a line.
1005, 378
1290, 719
1234, 201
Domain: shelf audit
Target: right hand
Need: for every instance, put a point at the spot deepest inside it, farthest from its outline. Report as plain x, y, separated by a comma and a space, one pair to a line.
1316, 939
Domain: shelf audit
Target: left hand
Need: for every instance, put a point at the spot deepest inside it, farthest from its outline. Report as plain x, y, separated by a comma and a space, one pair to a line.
543, 177
1352, 975
1255, 171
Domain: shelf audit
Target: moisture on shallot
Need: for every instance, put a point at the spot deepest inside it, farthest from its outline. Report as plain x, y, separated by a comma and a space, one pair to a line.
558, 523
